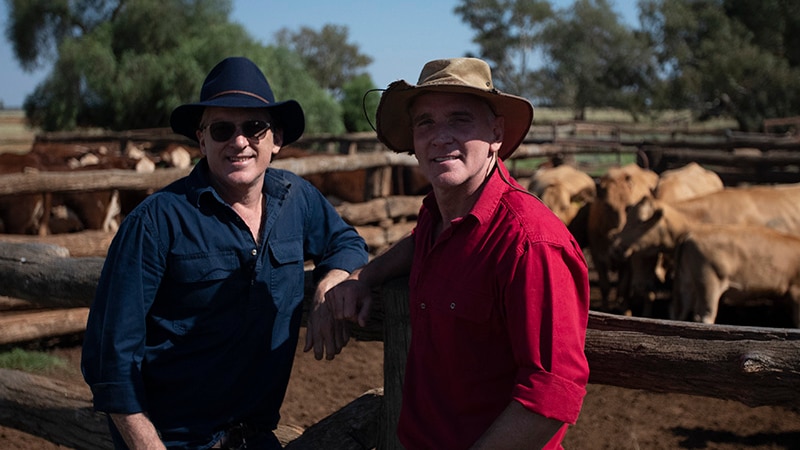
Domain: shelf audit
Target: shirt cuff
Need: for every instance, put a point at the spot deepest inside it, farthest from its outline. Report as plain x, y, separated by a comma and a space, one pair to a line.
551, 396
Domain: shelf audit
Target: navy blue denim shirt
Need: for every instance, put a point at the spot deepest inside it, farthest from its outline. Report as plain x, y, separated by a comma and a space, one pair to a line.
196, 324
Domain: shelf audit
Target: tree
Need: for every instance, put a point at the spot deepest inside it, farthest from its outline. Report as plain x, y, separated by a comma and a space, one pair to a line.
593, 60
126, 64
332, 61
288, 76
359, 102
713, 63
507, 32
586, 56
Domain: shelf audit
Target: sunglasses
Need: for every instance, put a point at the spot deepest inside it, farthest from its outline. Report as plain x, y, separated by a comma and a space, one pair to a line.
251, 129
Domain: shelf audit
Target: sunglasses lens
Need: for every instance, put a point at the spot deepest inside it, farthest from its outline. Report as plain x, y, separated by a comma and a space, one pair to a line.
254, 128
222, 131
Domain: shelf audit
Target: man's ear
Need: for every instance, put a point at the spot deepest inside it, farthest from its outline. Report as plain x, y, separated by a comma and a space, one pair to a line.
277, 141
498, 131
201, 141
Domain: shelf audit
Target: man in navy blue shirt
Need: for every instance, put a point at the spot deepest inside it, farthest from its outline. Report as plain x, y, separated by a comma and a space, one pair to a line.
192, 333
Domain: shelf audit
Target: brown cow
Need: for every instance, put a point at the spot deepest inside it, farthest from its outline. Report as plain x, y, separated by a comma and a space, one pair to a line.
68, 211
734, 263
616, 190
22, 213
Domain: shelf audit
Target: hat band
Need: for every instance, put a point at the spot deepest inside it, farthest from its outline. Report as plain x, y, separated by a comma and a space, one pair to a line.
240, 92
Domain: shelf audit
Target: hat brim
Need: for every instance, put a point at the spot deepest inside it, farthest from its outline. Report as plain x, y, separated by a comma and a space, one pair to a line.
393, 121
185, 119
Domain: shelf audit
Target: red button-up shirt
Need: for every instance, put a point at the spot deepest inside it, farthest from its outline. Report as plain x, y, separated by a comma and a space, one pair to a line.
498, 305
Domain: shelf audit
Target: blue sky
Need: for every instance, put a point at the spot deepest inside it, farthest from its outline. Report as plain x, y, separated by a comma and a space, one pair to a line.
399, 36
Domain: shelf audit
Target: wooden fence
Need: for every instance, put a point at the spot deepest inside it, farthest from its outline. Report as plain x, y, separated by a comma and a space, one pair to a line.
756, 366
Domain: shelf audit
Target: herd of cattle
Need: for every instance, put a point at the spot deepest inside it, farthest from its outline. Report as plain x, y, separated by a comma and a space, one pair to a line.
684, 229
681, 231
66, 212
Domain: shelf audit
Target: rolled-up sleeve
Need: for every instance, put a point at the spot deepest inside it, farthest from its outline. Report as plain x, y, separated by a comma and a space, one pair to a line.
547, 301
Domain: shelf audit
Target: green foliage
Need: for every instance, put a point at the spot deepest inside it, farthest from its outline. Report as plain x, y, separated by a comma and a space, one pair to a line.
359, 104
327, 55
713, 62
595, 61
508, 33
34, 362
131, 63
289, 78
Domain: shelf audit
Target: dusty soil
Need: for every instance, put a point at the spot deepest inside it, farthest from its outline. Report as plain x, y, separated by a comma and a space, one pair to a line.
612, 418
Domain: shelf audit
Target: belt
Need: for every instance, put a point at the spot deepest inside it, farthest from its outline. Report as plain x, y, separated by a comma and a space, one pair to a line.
242, 436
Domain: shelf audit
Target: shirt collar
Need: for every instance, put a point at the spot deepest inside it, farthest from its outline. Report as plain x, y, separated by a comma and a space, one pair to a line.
199, 183
492, 192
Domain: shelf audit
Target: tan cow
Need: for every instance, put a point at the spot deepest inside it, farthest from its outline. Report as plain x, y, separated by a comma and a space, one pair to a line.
686, 182
564, 189
736, 263
646, 272
654, 226
616, 190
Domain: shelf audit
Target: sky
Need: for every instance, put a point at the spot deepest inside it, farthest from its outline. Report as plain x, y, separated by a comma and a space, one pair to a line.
400, 37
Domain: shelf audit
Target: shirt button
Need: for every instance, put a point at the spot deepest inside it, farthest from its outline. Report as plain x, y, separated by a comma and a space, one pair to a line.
254, 252
422, 305
453, 305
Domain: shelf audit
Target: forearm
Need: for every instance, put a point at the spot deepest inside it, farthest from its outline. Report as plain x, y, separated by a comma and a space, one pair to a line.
518, 428
393, 263
138, 431
329, 280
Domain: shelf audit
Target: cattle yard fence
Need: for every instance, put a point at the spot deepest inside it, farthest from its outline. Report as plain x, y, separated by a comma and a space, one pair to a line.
755, 366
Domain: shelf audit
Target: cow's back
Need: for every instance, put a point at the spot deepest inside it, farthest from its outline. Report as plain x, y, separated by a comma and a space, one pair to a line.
777, 207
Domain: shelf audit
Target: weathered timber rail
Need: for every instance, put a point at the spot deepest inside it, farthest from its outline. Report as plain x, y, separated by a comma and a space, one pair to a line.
771, 157
36, 182
755, 366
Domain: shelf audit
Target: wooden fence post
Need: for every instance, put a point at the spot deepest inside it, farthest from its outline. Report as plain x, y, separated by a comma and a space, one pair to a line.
396, 338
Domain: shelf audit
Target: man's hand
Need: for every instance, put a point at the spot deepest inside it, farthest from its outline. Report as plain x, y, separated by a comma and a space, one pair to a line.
350, 300
326, 335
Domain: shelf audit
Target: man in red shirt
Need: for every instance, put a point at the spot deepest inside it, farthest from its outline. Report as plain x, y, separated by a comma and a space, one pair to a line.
498, 288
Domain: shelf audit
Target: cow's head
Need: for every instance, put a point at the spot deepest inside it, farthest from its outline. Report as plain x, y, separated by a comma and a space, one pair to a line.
642, 230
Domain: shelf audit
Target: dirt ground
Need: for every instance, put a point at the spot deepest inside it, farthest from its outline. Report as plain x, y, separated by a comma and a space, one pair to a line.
612, 417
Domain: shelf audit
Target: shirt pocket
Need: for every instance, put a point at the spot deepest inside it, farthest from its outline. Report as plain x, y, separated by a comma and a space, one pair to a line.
202, 268
202, 291
469, 313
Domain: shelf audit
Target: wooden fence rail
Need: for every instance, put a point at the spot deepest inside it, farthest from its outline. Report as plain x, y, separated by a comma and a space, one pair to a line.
38, 182
755, 366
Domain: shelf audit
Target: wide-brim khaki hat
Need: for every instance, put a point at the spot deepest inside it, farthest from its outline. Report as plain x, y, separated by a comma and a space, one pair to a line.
455, 75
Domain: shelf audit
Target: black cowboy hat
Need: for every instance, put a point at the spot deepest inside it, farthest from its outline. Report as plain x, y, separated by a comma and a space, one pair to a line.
236, 82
